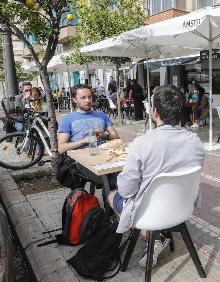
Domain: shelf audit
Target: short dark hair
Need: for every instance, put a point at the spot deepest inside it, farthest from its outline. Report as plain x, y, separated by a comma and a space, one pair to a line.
79, 86
169, 102
26, 83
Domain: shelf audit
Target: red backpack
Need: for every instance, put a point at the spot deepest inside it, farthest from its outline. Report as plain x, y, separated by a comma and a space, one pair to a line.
81, 216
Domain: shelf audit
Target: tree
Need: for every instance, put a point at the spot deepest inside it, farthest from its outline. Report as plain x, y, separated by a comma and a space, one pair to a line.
104, 19
42, 18
21, 75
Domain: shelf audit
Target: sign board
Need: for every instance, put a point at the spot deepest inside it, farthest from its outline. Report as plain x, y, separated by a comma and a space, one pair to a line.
204, 55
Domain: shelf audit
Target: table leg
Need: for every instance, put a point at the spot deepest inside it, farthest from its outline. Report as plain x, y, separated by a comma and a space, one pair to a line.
106, 187
193, 114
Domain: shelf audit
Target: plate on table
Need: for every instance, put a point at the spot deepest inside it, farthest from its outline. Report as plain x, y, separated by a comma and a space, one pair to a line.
115, 143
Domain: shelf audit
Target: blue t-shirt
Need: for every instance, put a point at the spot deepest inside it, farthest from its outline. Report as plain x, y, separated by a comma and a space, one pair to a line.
81, 125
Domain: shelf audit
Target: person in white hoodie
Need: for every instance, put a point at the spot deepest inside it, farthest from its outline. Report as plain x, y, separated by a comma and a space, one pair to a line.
167, 148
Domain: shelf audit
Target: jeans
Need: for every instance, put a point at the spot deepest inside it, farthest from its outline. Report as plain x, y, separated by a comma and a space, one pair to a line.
19, 126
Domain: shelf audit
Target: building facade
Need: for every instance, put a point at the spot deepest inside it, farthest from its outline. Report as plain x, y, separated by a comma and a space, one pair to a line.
182, 74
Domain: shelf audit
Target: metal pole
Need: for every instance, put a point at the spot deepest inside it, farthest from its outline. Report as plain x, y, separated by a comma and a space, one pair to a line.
12, 88
148, 91
69, 83
210, 85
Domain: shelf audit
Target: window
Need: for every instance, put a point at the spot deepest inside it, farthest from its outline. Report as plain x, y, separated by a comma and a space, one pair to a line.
166, 5
158, 6
205, 3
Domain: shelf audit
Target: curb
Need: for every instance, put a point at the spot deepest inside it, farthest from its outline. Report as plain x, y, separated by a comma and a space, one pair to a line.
47, 263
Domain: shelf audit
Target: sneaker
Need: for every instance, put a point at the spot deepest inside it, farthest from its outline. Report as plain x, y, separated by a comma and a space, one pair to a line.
195, 125
159, 246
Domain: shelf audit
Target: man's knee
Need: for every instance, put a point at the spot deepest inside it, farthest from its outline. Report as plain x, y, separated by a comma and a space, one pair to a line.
111, 197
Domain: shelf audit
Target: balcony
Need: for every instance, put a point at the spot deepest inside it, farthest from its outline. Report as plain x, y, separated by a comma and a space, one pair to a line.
27, 54
171, 13
66, 33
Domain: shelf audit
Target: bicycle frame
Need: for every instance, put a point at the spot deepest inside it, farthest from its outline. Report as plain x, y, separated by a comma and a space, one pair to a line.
41, 132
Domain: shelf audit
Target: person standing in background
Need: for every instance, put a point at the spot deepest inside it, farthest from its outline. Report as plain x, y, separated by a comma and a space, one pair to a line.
136, 93
112, 85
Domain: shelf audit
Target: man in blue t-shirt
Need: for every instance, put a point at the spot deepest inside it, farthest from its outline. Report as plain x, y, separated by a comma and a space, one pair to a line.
76, 127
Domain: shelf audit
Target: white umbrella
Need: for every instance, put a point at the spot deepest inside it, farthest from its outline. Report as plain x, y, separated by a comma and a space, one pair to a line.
118, 47
199, 29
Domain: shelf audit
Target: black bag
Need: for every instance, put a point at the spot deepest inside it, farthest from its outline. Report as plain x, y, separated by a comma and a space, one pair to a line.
100, 254
67, 173
8, 125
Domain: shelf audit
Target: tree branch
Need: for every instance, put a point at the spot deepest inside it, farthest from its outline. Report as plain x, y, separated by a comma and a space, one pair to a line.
17, 32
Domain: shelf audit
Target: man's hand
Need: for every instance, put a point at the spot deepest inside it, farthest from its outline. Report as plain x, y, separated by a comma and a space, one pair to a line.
102, 135
27, 95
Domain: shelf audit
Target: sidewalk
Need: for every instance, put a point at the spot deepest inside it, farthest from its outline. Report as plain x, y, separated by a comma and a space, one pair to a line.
34, 214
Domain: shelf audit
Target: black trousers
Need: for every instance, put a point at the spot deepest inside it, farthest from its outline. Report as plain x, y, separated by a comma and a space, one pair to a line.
92, 177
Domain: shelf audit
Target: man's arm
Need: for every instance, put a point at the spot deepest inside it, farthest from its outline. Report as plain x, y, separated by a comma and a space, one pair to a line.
112, 133
64, 145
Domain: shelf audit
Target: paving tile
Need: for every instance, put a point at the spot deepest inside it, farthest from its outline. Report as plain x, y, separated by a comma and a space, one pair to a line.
18, 212
45, 260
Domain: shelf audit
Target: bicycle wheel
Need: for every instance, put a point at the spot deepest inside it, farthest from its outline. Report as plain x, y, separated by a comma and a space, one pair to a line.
19, 151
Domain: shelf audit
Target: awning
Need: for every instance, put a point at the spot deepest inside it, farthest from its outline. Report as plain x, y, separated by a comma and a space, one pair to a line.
174, 61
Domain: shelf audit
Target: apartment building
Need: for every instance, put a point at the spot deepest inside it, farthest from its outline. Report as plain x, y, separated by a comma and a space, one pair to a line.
160, 10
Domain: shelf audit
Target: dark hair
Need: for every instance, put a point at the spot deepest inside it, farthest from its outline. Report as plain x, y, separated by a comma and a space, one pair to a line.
169, 102
79, 86
26, 83
134, 81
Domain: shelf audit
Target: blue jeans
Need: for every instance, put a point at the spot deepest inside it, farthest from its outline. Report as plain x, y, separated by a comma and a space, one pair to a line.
19, 126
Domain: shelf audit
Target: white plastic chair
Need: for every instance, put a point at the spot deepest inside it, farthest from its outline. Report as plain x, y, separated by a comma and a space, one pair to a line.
147, 111
218, 111
112, 107
167, 203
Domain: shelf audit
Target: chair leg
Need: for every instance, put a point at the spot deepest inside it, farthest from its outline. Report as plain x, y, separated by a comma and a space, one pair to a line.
130, 249
150, 253
172, 245
191, 249
92, 188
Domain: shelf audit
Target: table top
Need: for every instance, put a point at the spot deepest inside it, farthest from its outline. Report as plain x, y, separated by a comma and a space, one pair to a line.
100, 164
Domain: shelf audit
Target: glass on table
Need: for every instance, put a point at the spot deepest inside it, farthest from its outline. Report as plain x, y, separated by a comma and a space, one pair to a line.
93, 149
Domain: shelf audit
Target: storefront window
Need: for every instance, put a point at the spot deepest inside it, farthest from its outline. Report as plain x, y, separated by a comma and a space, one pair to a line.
203, 79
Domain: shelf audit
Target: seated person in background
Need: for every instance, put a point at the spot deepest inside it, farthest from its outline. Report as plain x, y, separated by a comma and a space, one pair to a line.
76, 127
36, 99
202, 109
23, 101
167, 148
113, 95
37, 102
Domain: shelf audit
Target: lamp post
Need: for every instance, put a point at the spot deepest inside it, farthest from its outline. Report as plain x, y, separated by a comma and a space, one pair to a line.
10, 70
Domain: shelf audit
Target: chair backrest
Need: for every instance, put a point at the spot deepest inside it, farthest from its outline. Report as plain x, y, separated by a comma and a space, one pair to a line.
218, 110
169, 199
146, 107
111, 104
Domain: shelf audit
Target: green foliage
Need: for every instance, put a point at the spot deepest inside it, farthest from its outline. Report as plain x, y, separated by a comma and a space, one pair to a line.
41, 18
104, 19
21, 75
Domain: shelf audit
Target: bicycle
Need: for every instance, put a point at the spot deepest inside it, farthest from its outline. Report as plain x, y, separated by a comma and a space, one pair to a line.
21, 150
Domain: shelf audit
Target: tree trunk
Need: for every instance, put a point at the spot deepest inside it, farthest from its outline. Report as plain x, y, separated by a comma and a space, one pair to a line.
118, 96
52, 117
